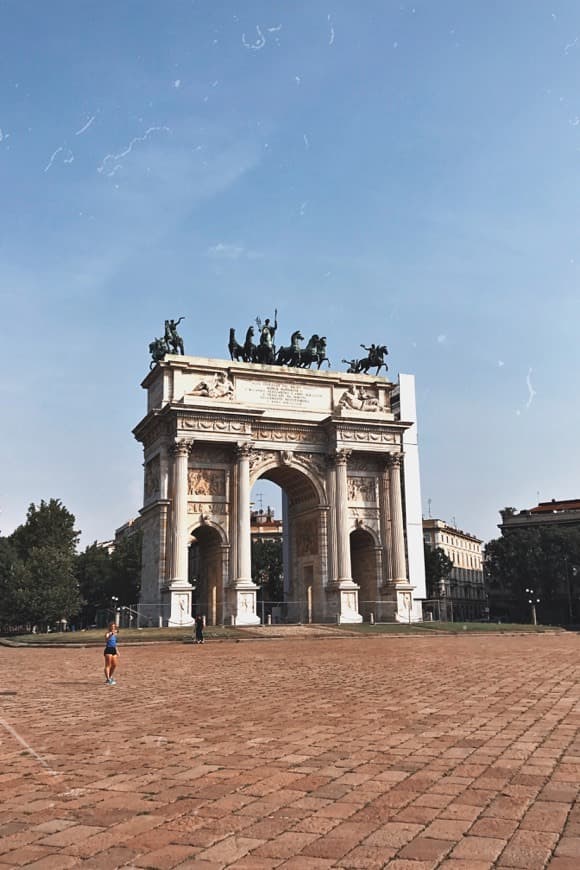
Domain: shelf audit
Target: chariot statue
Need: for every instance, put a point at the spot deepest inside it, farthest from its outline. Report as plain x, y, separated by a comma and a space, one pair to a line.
266, 350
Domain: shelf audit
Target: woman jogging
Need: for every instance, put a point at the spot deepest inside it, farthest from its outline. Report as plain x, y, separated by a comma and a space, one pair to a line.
111, 654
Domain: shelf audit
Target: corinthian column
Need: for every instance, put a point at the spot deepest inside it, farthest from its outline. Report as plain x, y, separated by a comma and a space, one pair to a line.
244, 605
342, 534
180, 450
244, 572
398, 563
385, 516
331, 522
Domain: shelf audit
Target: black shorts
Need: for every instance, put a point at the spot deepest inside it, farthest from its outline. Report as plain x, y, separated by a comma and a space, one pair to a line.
110, 651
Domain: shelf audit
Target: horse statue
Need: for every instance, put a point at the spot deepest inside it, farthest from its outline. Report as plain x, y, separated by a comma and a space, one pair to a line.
157, 348
235, 348
249, 348
172, 337
291, 356
314, 352
376, 355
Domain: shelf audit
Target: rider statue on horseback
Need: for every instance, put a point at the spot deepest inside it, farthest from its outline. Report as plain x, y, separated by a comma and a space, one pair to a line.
266, 352
172, 337
171, 342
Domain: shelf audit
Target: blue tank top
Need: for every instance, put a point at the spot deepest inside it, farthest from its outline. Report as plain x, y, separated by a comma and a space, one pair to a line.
112, 641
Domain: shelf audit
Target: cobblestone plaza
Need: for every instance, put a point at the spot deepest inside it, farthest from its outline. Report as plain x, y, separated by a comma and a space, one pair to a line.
409, 753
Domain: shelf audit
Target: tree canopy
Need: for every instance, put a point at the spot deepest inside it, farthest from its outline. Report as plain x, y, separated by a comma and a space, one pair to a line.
43, 580
438, 567
543, 559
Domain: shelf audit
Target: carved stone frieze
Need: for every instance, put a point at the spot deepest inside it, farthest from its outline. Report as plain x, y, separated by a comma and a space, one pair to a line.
293, 435
368, 436
362, 489
152, 477
206, 481
218, 426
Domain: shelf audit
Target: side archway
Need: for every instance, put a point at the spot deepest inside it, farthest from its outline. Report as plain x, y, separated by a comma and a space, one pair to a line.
363, 555
207, 568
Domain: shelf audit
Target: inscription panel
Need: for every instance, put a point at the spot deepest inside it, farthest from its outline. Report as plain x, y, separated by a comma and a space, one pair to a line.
273, 394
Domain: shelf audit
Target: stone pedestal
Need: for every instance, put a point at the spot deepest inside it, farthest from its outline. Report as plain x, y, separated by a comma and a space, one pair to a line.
180, 603
348, 603
245, 604
406, 610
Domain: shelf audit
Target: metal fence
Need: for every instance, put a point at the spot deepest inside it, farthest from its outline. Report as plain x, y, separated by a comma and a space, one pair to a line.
438, 610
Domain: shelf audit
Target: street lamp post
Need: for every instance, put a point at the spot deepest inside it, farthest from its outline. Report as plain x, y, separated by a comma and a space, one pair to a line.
532, 602
574, 569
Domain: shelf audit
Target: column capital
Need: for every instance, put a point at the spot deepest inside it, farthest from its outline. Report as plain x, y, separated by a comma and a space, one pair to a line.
244, 450
395, 460
342, 456
181, 447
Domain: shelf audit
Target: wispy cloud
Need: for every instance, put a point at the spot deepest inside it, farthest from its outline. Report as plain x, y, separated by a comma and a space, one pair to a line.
225, 251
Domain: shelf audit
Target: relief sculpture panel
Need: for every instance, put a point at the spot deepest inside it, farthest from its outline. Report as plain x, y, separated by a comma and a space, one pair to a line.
307, 538
206, 481
152, 477
362, 489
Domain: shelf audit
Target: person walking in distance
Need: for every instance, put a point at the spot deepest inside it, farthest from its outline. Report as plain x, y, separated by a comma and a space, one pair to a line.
111, 654
199, 629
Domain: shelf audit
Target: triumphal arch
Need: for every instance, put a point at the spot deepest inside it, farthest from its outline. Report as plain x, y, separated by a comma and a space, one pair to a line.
343, 449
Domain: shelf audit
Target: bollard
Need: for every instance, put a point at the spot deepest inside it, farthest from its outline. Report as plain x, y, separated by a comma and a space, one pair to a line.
269, 619
371, 618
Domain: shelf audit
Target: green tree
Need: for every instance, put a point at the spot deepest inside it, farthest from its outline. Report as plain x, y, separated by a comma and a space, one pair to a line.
48, 525
438, 567
126, 568
267, 570
45, 587
541, 559
37, 568
94, 575
8, 563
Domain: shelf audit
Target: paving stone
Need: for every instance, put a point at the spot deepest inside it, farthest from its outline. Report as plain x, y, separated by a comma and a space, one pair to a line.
274, 779
426, 849
478, 848
528, 849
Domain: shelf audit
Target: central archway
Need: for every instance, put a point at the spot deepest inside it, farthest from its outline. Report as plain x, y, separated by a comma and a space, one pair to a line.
304, 565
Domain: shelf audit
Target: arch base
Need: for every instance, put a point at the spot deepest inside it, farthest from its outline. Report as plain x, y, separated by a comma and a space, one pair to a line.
180, 593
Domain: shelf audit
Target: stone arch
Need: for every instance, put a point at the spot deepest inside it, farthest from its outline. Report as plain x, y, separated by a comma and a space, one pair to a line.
363, 554
207, 562
305, 547
211, 524
281, 471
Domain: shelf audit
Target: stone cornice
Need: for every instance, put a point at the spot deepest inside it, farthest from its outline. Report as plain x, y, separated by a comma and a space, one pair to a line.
194, 363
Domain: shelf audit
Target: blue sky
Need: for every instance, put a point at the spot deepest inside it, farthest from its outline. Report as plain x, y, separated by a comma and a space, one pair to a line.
397, 172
